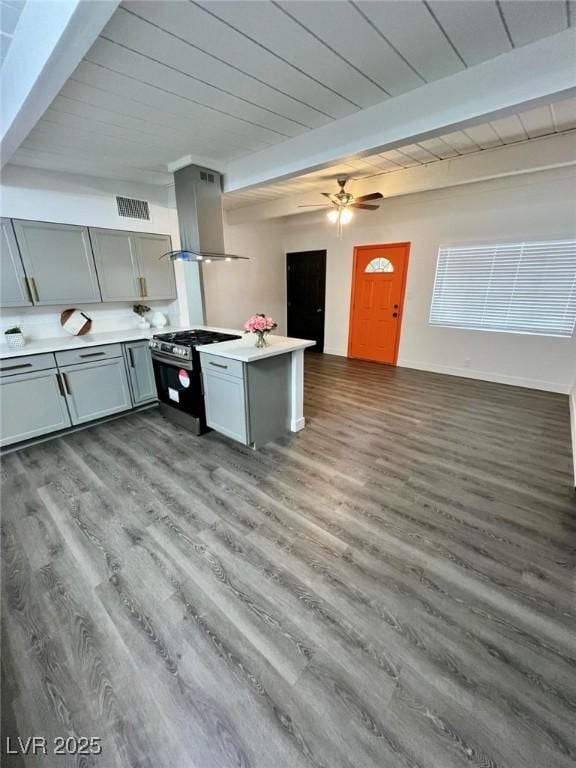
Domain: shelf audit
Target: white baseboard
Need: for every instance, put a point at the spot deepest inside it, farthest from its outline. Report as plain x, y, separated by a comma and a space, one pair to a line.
335, 351
497, 378
573, 427
297, 424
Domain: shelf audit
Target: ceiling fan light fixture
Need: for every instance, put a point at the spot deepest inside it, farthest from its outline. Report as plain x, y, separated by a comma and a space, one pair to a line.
333, 215
346, 215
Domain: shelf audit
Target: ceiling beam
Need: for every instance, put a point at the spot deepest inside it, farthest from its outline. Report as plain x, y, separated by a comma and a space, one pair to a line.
51, 40
524, 77
531, 156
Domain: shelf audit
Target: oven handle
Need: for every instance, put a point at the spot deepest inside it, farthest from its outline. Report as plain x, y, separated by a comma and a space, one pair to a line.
188, 365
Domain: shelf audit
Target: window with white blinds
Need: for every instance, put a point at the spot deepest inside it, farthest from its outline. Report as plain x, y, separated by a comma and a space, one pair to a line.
514, 287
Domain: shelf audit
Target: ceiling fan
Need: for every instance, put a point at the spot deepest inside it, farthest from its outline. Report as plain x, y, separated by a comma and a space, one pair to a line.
342, 202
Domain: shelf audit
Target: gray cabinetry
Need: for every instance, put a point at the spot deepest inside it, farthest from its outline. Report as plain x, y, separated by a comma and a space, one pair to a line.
248, 402
58, 261
117, 264
31, 404
130, 266
225, 399
140, 372
13, 287
96, 389
157, 274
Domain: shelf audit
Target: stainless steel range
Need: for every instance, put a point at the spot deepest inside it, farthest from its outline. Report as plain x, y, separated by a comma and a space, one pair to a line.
178, 375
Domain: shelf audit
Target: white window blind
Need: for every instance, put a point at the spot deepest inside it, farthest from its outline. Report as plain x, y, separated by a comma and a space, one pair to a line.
515, 287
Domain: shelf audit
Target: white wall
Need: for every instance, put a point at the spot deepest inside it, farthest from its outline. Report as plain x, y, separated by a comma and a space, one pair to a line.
235, 290
537, 206
74, 199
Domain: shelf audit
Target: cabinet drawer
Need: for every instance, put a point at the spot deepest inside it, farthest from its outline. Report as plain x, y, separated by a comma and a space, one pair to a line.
26, 364
222, 365
88, 354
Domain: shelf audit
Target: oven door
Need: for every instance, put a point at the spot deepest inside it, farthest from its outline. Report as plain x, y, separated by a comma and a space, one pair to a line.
179, 388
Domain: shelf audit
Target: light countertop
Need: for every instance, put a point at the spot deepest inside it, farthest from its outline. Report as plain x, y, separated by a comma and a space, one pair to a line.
243, 349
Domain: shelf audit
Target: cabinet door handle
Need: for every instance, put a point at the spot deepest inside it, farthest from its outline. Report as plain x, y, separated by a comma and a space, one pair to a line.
93, 354
145, 292
60, 385
28, 290
131, 358
218, 365
14, 367
35, 290
66, 384
140, 288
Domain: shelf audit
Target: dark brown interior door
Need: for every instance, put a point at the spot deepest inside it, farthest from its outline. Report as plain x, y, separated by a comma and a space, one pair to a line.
306, 292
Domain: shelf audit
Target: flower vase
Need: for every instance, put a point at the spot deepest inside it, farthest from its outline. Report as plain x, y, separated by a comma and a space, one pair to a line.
261, 340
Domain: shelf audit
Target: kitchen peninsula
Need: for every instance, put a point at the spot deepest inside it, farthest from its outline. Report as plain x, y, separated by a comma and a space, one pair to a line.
52, 385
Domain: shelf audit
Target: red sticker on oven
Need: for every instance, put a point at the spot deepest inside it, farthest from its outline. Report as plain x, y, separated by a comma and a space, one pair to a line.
184, 378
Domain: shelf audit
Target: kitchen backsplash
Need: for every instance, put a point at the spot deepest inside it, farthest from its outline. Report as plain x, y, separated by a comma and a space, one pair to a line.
44, 322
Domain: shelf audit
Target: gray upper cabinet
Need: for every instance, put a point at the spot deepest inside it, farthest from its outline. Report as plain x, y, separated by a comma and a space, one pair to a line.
58, 261
13, 286
97, 389
31, 404
157, 274
129, 265
140, 372
117, 265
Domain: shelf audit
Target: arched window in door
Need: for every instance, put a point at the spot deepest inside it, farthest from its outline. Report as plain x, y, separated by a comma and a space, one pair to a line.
379, 264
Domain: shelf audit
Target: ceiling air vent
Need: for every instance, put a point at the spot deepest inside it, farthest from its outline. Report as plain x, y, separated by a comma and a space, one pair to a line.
133, 209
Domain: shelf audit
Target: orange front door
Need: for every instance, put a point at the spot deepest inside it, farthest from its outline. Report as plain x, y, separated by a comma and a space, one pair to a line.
378, 284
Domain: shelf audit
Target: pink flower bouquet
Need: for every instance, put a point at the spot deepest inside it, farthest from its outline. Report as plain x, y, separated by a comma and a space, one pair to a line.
260, 325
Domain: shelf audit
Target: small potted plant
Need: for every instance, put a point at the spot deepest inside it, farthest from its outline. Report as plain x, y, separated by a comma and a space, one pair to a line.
141, 310
14, 337
261, 325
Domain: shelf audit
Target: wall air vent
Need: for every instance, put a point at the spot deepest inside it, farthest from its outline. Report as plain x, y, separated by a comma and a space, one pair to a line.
133, 209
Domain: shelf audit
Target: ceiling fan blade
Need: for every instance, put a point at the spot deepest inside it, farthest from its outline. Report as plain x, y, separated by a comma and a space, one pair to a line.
363, 206
365, 198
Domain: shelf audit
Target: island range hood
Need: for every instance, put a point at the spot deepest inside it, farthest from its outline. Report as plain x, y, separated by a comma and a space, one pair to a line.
200, 218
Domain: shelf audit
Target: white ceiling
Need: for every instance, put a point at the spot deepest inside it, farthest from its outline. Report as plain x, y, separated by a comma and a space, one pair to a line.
558, 117
225, 79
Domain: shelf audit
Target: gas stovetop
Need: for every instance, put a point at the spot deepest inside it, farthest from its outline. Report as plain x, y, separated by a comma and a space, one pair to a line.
181, 344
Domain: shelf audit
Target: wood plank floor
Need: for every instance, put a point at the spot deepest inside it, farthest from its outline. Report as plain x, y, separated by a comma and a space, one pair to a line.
391, 588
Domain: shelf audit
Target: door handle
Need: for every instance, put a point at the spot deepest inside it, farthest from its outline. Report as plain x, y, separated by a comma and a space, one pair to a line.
93, 354
28, 290
66, 384
394, 314
143, 287
319, 309
60, 385
13, 367
218, 365
35, 290
131, 358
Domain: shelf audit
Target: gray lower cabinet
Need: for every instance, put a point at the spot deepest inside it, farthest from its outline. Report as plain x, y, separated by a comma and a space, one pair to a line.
225, 399
96, 389
13, 286
31, 404
248, 402
140, 372
58, 261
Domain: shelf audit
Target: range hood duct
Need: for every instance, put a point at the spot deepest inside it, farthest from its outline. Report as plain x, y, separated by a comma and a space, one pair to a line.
200, 218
